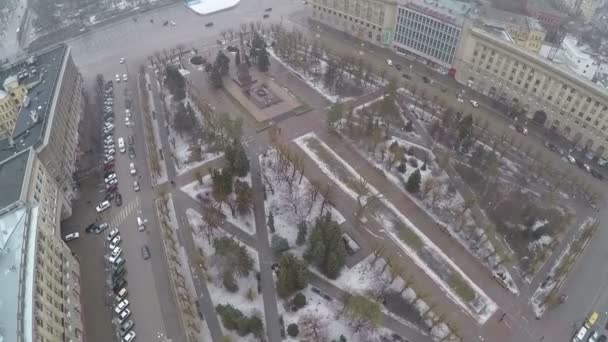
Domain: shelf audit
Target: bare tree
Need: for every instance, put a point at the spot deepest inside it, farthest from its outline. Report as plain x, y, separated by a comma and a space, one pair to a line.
312, 328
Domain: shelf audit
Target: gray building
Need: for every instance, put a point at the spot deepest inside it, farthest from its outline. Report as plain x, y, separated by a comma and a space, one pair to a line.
430, 30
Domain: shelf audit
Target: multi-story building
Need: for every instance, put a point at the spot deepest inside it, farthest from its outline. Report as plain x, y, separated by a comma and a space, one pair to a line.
526, 31
11, 102
39, 278
431, 29
370, 20
49, 116
577, 57
547, 93
546, 13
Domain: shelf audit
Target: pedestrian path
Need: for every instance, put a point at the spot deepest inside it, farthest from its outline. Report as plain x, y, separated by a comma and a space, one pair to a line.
118, 219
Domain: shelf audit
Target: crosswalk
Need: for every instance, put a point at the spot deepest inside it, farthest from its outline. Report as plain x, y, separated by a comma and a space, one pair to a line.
119, 218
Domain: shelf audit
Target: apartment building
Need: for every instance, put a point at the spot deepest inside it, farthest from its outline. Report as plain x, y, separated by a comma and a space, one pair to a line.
49, 116
40, 279
548, 93
526, 31
369, 20
12, 96
546, 12
431, 29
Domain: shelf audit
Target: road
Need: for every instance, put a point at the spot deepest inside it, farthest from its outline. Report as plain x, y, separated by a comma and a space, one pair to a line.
98, 52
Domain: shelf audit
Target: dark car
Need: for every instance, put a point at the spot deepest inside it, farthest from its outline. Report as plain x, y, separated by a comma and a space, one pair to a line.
209, 24
131, 140
91, 228
596, 174
398, 66
265, 16
602, 338
111, 189
231, 48
131, 152
406, 76
119, 284
145, 252
109, 166
268, 9
118, 199
425, 79
109, 196
108, 173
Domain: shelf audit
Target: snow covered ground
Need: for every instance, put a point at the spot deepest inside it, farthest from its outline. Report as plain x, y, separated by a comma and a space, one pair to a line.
285, 217
219, 295
204, 7
426, 254
243, 222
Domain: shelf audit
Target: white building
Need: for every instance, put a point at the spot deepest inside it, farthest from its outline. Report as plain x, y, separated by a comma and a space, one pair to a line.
577, 58
431, 29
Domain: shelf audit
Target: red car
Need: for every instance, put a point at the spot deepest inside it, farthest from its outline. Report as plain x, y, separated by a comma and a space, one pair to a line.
108, 167
112, 188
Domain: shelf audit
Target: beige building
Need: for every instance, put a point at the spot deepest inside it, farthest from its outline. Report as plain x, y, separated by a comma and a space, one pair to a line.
49, 117
370, 20
548, 94
11, 101
39, 278
526, 32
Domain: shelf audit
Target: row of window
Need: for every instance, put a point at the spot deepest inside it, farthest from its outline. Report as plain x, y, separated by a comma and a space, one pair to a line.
347, 17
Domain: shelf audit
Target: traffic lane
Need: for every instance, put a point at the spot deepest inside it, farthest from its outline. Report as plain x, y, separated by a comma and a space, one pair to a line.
141, 38
89, 250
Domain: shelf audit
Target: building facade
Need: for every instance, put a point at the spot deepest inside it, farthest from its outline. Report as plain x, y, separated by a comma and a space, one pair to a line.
526, 31
369, 20
40, 279
49, 116
11, 102
430, 30
545, 92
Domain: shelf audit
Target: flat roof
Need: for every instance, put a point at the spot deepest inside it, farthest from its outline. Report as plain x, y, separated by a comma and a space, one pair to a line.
544, 5
447, 10
498, 16
17, 267
40, 74
12, 173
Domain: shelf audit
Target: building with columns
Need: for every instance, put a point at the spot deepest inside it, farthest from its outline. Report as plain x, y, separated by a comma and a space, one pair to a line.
548, 94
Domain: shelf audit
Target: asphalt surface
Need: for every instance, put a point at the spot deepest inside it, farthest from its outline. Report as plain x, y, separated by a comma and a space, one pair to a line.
98, 52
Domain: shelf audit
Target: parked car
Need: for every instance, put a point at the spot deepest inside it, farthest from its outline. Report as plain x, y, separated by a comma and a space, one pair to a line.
131, 152
109, 176
132, 169
115, 241
126, 327
90, 228
265, 16
571, 159
72, 236
122, 293
118, 262
145, 252
593, 336
596, 174
111, 183
130, 336
135, 186
111, 188
124, 77
521, 129
406, 76
474, 103
102, 206
112, 234
100, 228
130, 140
116, 251
119, 285
389, 62
117, 78
398, 66
123, 317
209, 24
121, 306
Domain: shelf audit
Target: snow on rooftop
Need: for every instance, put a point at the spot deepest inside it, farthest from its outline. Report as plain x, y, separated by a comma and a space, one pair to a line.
210, 6
17, 271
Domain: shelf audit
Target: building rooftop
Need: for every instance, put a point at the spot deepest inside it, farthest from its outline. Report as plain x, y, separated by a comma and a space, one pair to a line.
40, 74
496, 16
545, 5
557, 67
448, 10
17, 257
12, 173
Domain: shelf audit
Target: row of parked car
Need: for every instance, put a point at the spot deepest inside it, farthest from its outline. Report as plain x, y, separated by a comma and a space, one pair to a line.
119, 287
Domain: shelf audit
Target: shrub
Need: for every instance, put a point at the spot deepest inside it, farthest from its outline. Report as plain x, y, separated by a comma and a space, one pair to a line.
413, 162
278, 244
229, 281
293, 330
402, 168
299, 300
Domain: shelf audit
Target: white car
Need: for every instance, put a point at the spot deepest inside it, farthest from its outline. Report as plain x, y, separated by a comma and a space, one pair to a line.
132, 168
124, 77
122, 60
123, 316
112, 234
136, 186
593, 336
110, 177
127, 113
474, 103
580, 334
108, 159
72, 236
389, 62
113, 259
103, 206
571, 159
115, 241
111, 182
460, 99
172, 23
121, 306
121, 145
116, 252
130, 336
117, 79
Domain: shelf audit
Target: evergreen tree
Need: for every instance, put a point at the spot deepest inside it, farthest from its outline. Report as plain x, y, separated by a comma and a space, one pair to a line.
413, 183
244, 197
237, 57
299, 301
223, 62
229, 282
362, 311
183, 120
221, 185
234, 255
293, 330
215, 77
278, 244
402, 168
326, 249
175, 82
271, 222
241, 162
293, 275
